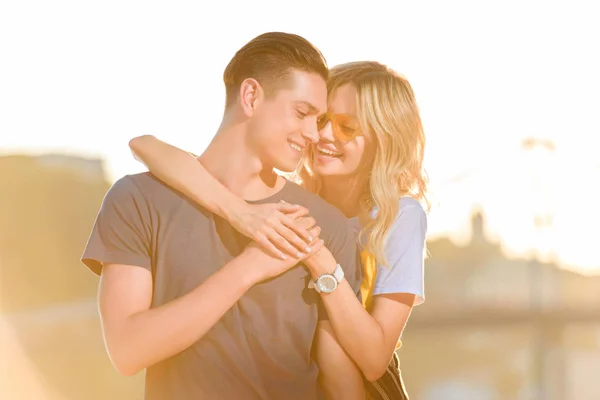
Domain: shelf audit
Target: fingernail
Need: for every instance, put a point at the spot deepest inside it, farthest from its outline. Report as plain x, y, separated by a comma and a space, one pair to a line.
307, 249
283, 256
299, 255
310, 238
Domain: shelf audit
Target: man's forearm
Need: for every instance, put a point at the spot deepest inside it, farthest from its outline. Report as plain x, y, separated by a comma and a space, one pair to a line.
159, 333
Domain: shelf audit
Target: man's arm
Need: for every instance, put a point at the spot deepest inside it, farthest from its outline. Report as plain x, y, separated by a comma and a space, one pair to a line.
137, 336
339, 377
120, 249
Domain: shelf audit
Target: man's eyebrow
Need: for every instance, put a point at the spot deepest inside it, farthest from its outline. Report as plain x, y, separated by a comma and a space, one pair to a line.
311, 108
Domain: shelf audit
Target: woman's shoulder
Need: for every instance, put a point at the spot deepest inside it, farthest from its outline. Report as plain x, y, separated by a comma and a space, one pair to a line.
410, 209
407, 202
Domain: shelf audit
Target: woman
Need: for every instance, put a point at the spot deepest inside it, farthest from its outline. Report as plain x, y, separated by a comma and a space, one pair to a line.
368, 163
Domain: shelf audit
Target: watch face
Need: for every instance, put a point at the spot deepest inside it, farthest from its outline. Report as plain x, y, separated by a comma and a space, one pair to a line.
327, 283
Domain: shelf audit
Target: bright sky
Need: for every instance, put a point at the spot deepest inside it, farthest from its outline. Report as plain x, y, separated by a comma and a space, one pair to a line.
85, 77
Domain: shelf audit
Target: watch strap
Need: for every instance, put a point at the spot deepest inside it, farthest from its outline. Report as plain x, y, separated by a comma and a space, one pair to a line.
338, 274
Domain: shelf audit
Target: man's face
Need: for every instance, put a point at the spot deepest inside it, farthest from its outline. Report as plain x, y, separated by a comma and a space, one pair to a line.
282, 126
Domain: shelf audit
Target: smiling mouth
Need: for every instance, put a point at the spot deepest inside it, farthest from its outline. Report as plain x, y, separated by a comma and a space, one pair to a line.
328, 152
296, 147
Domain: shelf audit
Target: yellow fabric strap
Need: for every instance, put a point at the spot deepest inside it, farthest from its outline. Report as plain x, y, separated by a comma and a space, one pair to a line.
367, 286
368, 278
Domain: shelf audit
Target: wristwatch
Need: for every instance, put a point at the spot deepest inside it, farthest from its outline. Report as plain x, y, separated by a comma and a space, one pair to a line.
327, 283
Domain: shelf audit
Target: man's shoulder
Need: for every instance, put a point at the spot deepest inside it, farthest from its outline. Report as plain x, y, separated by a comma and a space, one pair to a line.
317, 207
141, 181
335, 229
145, 186
130, 181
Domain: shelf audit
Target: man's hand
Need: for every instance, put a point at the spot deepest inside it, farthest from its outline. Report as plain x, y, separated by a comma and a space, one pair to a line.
275, 226
266, 266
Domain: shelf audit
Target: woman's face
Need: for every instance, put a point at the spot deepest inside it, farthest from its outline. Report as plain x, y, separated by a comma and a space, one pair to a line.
343, 148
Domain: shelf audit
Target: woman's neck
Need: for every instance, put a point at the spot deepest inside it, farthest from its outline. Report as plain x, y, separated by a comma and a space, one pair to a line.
344, 193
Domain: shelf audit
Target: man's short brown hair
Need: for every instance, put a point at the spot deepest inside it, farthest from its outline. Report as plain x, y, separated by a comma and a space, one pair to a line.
269, 58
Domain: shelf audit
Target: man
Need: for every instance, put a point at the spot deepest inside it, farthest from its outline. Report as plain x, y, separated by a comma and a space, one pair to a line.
182, 294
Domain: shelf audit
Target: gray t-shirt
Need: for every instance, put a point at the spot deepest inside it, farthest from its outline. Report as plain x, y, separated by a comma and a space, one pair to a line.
404, 251
261, 348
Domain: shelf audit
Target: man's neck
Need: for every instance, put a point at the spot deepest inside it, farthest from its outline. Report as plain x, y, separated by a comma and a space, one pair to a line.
344, 193
232, 163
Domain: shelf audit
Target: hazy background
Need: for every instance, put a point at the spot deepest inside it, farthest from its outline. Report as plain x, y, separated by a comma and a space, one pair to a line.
509, 98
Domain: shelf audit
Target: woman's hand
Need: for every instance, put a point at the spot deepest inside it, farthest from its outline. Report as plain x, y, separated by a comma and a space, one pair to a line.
267, 267
277, 227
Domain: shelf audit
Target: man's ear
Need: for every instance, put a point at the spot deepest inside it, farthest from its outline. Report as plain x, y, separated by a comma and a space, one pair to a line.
250, 92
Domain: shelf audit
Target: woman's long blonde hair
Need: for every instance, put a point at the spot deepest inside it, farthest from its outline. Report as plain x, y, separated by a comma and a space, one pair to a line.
389, 115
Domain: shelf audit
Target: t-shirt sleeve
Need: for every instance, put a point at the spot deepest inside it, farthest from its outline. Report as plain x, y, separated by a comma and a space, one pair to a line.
343, 246
405, 253
121, 233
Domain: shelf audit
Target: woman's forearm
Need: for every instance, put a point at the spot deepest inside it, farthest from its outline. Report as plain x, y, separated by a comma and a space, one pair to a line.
183, 172
339, 377
357, 331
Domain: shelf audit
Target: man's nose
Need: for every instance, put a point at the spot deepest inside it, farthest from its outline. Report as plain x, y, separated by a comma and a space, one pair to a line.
311, 134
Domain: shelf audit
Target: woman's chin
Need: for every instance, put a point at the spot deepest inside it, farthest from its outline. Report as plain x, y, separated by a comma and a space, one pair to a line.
327, 163
334, 170
326, 169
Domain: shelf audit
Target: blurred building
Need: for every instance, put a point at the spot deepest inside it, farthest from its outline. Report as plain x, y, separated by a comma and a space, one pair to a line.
47, 207
500, 328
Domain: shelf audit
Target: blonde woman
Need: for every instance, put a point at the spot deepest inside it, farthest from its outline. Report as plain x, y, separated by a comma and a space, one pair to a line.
368, 163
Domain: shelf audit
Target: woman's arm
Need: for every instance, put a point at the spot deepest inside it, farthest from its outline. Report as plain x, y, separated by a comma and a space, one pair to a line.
182, 171
338, 375
271, 225
371, 338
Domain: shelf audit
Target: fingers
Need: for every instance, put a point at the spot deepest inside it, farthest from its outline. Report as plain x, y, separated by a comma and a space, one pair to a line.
290, 262
285, 246
288, 208
305, 223
300, 212
270, 248
285, 230
286, 234
312, 247
315, 245
292, 238
315, 232
299, 226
